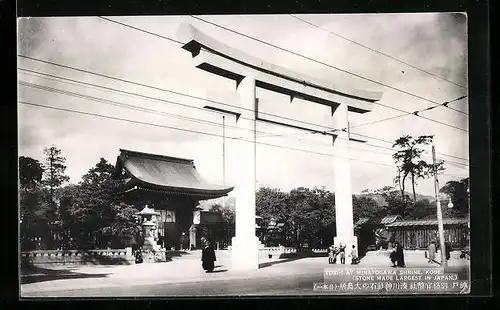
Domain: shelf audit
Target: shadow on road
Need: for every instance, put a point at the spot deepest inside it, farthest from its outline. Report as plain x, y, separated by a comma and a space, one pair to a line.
37, 274
177, 253
285, 260
217, 271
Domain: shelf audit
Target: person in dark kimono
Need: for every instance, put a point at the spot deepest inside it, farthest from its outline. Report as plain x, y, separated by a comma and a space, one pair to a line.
400, 256
208, 257
392, 256
447, 250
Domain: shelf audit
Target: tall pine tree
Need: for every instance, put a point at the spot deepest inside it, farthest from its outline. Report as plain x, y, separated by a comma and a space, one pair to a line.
53, 177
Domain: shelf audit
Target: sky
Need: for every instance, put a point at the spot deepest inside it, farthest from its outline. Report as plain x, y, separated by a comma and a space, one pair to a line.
436, 43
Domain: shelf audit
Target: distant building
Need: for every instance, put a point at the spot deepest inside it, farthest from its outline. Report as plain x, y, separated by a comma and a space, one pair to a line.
172, 187
418, 234
366, 229
412, 234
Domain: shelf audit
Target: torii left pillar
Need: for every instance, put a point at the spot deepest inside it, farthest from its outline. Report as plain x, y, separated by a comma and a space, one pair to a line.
244, 246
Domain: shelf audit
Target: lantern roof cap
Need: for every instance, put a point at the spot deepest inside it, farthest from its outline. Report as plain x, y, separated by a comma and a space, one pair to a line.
148, 211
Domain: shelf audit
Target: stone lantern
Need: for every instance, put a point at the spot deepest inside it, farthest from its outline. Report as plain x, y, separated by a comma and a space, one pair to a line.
152, 252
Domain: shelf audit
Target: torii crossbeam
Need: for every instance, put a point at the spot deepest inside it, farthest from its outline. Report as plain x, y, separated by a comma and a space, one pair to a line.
248, 73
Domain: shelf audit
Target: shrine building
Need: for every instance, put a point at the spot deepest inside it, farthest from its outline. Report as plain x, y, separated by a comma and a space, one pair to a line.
172, 187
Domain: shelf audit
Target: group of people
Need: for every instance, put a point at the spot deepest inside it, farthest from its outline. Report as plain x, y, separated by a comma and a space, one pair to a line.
432, 250
335, 251
397, 255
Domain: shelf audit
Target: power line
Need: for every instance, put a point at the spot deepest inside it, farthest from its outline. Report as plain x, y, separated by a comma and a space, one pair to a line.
167, 101
197, 132
321, 62
416, 114
123, 105
392, 143
392, 151
184, 94
185, 130
379, 52
140, 29
132, 107
408, 113
151, 87
455, 164
374, 81
152, 111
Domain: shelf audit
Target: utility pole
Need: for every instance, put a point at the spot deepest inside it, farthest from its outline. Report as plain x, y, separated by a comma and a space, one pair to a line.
223, 113
444, 261
223, 157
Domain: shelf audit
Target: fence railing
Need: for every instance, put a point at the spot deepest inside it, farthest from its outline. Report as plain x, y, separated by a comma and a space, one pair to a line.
102, 256
283, 251
77, 253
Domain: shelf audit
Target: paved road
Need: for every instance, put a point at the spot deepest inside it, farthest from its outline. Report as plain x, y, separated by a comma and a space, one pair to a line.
301, 284
184, 277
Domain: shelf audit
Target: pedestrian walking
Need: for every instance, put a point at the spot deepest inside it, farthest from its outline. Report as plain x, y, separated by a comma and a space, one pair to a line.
431, 252
392, 257
336, 252
354, 256
400, 256
331, 254
208, 257
447, 250
342, 253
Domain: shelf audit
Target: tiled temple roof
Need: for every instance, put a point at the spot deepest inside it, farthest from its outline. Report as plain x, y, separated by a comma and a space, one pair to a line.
171, 175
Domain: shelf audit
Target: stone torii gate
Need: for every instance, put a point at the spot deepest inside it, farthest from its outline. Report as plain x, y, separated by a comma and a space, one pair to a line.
248, 73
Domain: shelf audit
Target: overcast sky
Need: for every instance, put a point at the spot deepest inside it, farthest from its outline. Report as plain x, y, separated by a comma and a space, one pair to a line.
433, 42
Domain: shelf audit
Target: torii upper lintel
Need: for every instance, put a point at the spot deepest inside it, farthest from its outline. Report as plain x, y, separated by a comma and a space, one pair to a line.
216, 57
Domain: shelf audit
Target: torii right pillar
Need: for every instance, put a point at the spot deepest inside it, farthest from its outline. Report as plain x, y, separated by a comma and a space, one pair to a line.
342, 182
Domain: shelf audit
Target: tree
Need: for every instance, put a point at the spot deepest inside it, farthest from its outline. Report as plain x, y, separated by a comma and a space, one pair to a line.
458, 192
308, 213
30, 172
33, 220
54, 176
227, 214
367, 207
396, 205
99, 174
30, 178
423, 209
94, 211
408, 162
224, 231
32, 209
270, 204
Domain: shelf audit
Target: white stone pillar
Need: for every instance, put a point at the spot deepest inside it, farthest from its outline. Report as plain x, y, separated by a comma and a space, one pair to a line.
342, 182
244, 247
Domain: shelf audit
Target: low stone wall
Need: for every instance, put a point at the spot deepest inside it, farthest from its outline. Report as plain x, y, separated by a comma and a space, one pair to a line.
78, 257
288, 252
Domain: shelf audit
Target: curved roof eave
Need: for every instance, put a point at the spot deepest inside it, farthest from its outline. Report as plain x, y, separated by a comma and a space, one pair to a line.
196, 40
201, 191
136, 181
